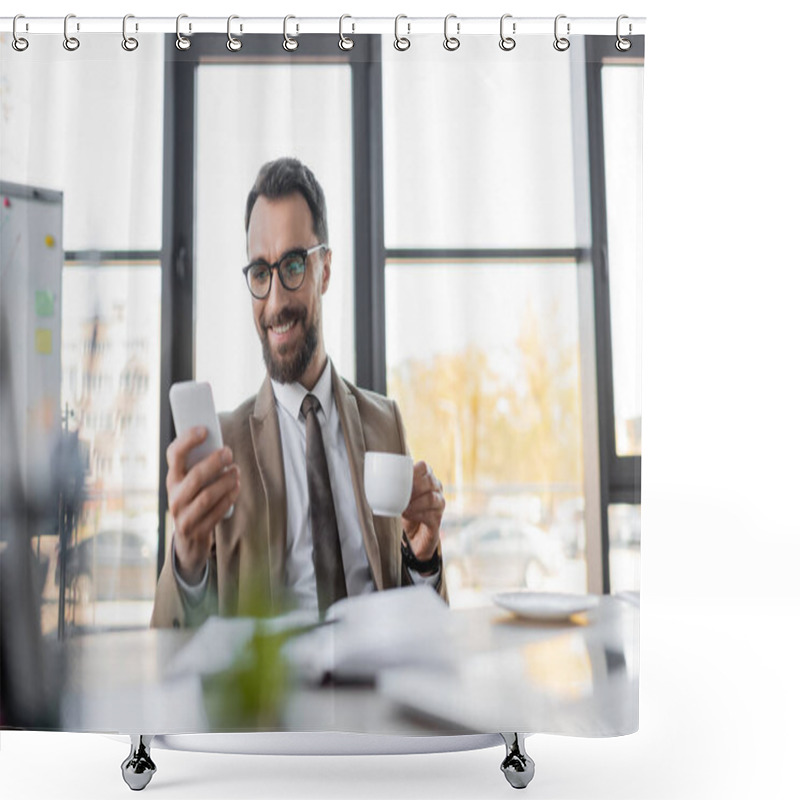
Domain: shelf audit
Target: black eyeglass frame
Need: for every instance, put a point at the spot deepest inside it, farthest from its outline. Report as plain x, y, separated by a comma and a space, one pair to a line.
305, 253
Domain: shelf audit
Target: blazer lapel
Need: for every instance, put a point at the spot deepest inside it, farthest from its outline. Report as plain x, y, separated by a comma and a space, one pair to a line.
270, 544
354, 440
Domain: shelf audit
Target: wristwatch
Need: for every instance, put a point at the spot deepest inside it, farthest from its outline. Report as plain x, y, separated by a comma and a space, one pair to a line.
412, 562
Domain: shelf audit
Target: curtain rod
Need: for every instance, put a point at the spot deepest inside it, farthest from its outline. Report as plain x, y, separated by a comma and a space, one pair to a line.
298, 25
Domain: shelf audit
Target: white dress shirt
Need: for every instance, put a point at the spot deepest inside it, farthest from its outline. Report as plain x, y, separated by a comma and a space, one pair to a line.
300, 580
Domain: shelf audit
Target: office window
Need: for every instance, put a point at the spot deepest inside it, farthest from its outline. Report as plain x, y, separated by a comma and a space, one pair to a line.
489, 138
481, 307
625, 542
614, 113
107, 158
286, 106
494, 407
622, 133
110, 356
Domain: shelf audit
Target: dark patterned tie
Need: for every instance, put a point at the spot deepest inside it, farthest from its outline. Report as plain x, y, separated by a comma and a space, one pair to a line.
327, 554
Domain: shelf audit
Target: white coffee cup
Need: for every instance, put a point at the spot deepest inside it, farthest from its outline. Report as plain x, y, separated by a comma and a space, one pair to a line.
388, 478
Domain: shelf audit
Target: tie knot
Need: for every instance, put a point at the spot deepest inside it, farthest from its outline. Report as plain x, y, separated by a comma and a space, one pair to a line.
310, 403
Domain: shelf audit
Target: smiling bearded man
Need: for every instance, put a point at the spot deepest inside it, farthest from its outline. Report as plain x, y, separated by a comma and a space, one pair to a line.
302, 534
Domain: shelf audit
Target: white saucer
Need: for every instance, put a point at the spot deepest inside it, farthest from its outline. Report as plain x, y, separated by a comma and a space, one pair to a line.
550, 606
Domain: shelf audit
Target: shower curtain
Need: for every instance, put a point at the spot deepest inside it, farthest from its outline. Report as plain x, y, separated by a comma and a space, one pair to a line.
478, 301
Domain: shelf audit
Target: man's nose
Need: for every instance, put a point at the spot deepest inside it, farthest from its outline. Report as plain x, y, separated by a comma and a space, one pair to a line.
277, 292
278, 297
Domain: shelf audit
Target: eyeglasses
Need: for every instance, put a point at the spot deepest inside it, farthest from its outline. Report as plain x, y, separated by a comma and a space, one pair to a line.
291, 270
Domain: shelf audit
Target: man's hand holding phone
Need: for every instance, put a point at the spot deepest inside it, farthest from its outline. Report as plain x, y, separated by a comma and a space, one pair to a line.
199, 497
202, 480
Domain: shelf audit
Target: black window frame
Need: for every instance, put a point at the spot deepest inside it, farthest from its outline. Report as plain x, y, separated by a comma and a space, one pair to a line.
620, 476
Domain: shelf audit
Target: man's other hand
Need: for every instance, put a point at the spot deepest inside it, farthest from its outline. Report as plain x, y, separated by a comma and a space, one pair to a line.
423, 515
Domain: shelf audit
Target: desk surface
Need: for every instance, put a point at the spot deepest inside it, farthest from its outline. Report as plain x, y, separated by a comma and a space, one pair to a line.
507, 674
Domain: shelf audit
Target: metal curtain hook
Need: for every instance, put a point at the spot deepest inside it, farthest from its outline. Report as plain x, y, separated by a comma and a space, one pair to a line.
345, 42
623, 44
507, 42
233, 44
128, 42
71, 43
401, 42
451, 42
19, 43
181, 42
561, 43
289, 42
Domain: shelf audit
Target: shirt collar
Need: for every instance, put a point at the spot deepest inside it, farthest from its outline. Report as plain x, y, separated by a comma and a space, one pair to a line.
291, 395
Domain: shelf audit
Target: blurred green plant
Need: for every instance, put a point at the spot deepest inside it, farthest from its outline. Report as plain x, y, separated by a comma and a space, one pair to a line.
250, 695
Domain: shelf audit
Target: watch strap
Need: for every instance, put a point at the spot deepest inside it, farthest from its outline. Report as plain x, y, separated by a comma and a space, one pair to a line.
412, 562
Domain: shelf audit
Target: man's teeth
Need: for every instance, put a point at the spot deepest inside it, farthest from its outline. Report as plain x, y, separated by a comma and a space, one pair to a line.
283, 328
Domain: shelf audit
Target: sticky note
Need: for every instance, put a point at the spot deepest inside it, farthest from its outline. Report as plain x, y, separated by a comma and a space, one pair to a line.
49, 240
44, 303
44, 341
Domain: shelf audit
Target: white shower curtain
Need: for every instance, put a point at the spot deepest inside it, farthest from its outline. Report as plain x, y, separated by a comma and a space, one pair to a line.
484, 224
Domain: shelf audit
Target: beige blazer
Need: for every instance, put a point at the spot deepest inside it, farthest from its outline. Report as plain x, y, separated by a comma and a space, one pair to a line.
246, 566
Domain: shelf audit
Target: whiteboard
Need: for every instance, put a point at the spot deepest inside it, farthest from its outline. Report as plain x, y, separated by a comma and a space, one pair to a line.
31, 261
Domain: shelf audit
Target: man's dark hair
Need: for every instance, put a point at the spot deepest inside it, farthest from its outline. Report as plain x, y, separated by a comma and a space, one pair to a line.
283, 177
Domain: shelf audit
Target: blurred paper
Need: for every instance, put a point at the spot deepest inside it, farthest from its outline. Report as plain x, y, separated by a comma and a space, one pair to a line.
220, 640
43, 341
45, 303
407, 626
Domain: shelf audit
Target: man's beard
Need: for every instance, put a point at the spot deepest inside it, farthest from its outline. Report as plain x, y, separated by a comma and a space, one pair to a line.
291, 368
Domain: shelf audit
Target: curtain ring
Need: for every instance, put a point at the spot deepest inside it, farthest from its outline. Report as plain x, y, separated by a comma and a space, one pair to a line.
233, 44
19, 43
128, 42
506, 42
71, 43
623, 44
345, 42
451, 42
401, 43
561, 43
181, 42
289, 43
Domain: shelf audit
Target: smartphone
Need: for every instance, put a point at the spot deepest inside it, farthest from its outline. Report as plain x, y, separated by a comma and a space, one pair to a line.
192, 405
